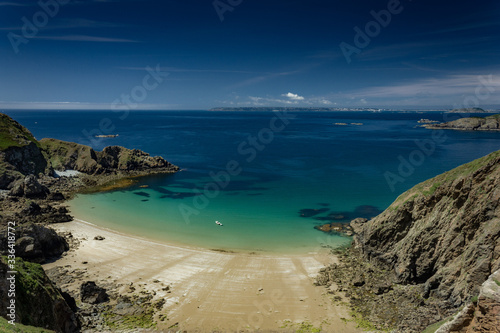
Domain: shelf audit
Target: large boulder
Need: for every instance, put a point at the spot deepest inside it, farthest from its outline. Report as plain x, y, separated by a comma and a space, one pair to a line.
92, 294
35, 243
30, 188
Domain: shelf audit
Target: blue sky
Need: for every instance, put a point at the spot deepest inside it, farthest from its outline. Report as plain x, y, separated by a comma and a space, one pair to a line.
93, 54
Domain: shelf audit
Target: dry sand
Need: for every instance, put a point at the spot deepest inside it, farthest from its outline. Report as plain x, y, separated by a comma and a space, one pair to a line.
211, 291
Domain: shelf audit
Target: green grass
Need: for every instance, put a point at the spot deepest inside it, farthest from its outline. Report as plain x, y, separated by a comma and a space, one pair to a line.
497, 282
433, 328
12, 134
6, 327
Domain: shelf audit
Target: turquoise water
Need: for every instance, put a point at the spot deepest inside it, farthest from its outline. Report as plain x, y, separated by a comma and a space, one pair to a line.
303, 166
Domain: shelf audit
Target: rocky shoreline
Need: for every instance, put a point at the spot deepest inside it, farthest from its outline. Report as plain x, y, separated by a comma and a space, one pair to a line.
32, 196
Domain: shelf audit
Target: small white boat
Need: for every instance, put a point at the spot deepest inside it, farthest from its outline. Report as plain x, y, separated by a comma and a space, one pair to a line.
218, 223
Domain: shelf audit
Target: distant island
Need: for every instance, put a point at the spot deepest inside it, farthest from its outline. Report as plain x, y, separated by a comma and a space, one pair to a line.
294, 109
342, 109
490, 123
469, 110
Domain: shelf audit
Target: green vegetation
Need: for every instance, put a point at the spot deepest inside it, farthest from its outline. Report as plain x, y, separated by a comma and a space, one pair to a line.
35, 294
434, 327
474, 299
497, 282
364, 324
13, 135
304, 327
6, 327
142, 320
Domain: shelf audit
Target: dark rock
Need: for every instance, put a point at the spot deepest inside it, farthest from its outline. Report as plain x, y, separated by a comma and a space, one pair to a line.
32, 209
69, 300
56, 196
359, 281
99, 238
91, 293
36, 243
30, 188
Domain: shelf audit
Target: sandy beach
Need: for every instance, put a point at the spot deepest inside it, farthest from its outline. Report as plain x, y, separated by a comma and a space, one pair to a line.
209, 290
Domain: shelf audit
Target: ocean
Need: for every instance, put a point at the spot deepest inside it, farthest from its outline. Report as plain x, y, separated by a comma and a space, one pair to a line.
268, 177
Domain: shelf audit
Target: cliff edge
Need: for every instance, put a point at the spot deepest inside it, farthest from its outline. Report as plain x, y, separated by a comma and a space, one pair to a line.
426, 256
443, 233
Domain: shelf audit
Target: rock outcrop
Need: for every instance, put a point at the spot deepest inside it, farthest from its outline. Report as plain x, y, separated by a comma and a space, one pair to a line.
114, 159
38, 302
482, 314
20, 153
491, 123
36, 243
29, 187
92, 294
426, 256
443, 233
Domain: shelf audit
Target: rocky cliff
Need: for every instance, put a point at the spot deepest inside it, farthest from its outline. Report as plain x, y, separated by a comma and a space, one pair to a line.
482, 314
20, 152
443, 233
490, 123
428, 254
68, 155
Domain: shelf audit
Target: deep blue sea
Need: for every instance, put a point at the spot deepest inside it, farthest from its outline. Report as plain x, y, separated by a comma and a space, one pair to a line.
268, 178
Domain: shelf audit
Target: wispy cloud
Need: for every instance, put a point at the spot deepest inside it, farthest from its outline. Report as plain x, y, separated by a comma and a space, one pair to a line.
85, 38
453, 85
74, 23
262, 78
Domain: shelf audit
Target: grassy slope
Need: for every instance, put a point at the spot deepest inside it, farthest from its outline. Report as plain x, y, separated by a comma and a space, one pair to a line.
429, 186
13, 134
6, 327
